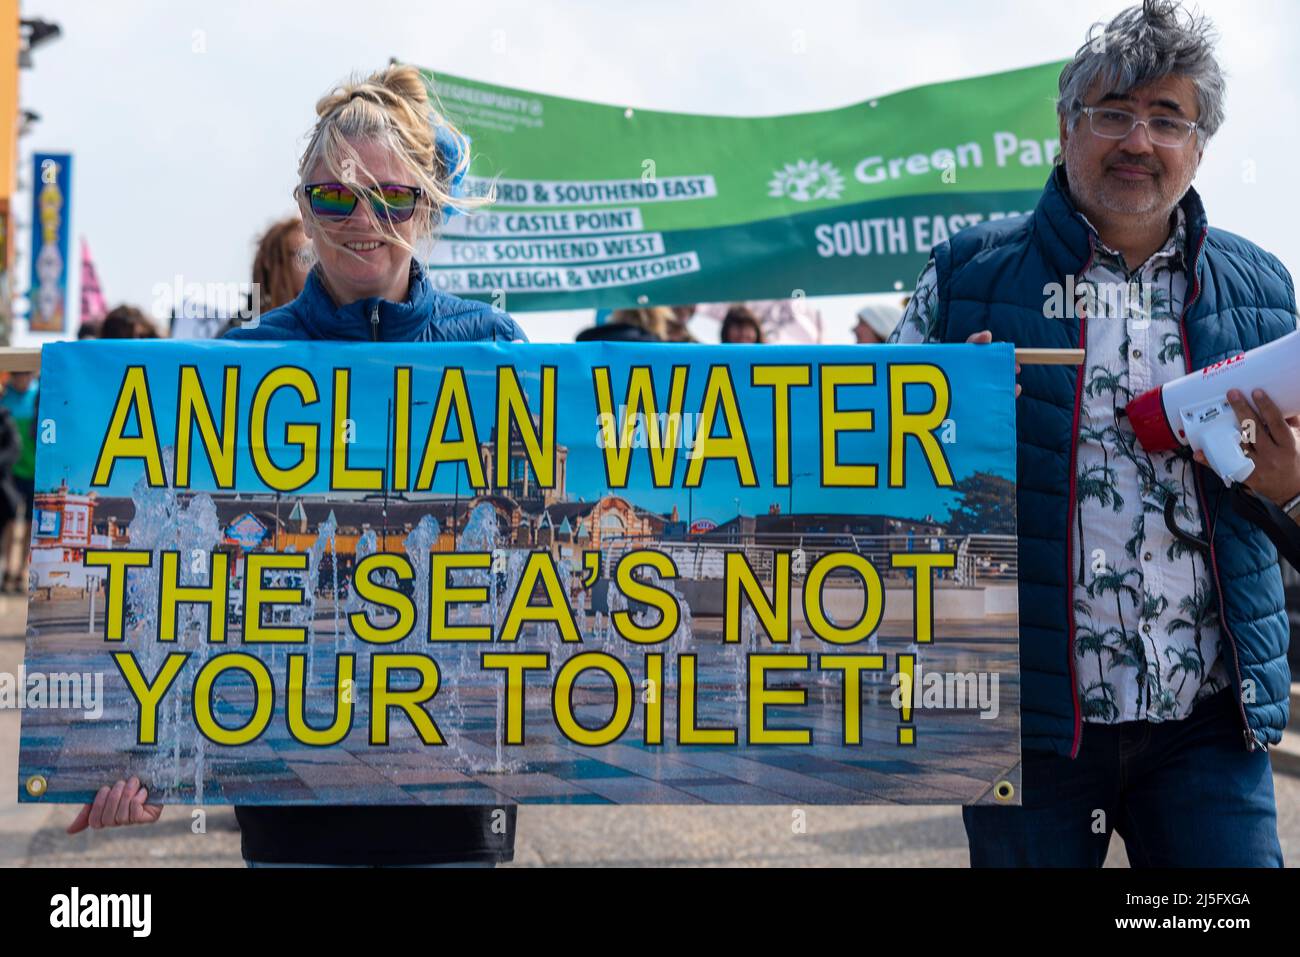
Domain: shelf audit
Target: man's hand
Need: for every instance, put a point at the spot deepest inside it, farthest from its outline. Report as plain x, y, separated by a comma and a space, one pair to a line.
1275, 451
984, 336
121, 804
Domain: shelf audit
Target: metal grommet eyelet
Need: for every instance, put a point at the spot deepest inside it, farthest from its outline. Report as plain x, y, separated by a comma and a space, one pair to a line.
1004, 791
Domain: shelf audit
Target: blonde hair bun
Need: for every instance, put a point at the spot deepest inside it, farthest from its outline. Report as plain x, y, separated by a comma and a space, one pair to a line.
395, 107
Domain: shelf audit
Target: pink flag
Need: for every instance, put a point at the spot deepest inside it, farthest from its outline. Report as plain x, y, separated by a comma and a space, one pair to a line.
93, 308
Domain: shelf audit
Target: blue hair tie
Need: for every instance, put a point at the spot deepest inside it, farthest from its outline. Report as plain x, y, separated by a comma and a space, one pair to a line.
450, 151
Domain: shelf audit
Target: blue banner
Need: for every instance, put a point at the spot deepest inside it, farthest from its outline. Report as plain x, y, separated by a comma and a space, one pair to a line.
486, 573
51, 243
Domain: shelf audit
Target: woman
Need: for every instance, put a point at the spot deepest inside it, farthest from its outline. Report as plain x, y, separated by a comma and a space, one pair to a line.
127, 322
661, 322
378, 177
282, 263
280, 267
741, 325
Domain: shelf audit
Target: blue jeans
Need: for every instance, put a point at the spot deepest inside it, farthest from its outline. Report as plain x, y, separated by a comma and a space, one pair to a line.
1180, 793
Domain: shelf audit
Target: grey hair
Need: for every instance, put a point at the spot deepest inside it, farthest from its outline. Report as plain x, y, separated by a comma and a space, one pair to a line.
1141, 45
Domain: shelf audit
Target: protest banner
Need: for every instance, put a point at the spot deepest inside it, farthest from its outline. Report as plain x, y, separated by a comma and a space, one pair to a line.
287, 573
610, 206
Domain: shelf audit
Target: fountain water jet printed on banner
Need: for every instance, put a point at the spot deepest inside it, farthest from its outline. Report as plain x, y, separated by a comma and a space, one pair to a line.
485, 573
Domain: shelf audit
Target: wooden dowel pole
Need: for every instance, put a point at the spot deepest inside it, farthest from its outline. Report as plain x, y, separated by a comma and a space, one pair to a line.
1049, 357
19, 360
14, 359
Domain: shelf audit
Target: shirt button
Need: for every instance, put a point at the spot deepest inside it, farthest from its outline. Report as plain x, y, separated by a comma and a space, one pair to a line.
1146, 557
1137, 353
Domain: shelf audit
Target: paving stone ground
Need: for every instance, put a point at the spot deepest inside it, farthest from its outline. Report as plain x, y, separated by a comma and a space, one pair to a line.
607, 836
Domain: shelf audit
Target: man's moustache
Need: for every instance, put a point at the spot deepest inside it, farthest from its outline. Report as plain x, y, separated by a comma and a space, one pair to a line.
1140, 164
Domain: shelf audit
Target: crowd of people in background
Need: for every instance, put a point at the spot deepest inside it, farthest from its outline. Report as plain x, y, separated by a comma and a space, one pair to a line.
17, 476
741, 323
280, 266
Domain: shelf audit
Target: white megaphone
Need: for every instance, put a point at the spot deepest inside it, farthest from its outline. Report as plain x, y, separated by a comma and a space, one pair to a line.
1194, 409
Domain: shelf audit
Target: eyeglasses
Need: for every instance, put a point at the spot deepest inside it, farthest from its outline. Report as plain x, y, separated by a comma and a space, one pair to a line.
335, 201
1112, 124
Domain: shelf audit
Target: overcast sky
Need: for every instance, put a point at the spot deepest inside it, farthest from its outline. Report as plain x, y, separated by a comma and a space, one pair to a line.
186, 118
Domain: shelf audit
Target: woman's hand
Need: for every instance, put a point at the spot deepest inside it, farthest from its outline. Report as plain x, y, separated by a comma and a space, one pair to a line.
121, 804
1275, 451
983, 337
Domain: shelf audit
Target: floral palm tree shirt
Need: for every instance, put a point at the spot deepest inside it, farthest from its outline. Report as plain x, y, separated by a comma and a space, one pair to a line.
1147, 637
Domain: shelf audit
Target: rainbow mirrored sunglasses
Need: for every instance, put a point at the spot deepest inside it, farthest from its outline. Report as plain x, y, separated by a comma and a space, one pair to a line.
335, 201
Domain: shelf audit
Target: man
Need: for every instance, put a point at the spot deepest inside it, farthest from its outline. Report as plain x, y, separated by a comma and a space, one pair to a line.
1154, 671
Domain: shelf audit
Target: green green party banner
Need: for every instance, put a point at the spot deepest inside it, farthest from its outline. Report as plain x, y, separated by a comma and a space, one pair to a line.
609, 206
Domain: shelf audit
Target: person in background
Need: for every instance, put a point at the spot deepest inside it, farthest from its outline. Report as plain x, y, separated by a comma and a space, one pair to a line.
280, 266
782, 320
281, 263
88, 330
679, 333
380, 174
11, 498
659, 321
616, 332
20, 400
677, 325
741, 326
876, 323
127, 322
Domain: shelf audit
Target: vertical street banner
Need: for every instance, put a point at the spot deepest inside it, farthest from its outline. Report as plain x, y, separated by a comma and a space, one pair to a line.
51, 244
298, 573
603, 206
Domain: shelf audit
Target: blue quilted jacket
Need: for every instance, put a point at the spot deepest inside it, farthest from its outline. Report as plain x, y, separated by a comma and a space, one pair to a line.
992, 276
427, 315
380, 834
